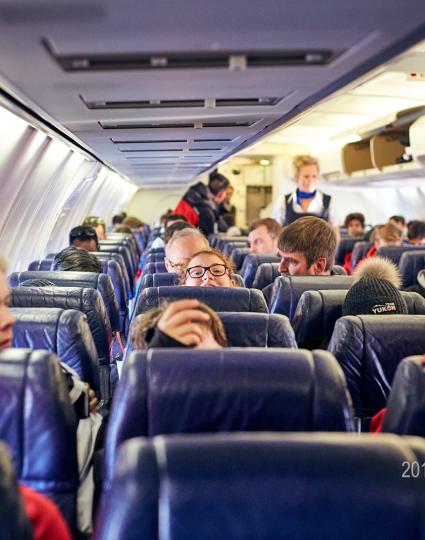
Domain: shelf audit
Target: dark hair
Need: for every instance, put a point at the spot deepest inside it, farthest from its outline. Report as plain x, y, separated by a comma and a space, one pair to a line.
311, 236
75, 259
173, 217
398, 219
217, 182
118, 218
40, 282
354, 216
415, 229
272, 226
82, 233
173, 227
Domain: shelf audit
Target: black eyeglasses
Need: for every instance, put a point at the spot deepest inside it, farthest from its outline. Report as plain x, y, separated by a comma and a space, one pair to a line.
215, 270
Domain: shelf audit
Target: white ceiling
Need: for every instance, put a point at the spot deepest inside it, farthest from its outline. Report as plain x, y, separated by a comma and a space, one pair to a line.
353, 31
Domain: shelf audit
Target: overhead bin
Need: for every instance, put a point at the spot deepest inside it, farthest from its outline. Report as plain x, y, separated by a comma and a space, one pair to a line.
417, 140
387, 149
356, 156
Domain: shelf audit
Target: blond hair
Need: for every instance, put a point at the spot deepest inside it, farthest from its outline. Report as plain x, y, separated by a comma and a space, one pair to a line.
380, 268
146, 322
302, 161
388, 233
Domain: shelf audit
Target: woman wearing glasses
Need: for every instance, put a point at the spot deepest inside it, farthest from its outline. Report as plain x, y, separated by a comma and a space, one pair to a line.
208, 268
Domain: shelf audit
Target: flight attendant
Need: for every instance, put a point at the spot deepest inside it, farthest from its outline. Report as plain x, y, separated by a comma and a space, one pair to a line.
306, 200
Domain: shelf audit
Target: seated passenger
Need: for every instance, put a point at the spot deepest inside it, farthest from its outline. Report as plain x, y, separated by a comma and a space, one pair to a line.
208, 268
166, 221
98, 225
74, 259
385, 235
375, 290
400, 223
46, 519
354, 223
118, 219
184, 323
416, 233
307, 248
263, 235
84, 237
173, 228
181, 247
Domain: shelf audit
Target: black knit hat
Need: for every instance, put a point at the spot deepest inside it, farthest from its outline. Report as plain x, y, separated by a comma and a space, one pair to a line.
373, 296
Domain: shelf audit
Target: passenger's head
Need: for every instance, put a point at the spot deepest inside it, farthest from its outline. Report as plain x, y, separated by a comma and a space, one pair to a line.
306, 172
416, 232
118, 218
7, 320
74, 259
263, 235
375, 290
218, 184
98, 225
354, 223
399, 222
181, 247
123, 229
84, 236
307, 247
174, 218
208, 268
173, 319
388, 235
229, 193
134, 223
174, 227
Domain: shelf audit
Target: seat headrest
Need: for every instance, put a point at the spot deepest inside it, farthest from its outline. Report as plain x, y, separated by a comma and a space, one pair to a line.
405, 413
318, 311
238, 256
194, 391
369, 349
63, 332
394, 253
154, 257
154, 267
359, 251
113, 270
265, 275
287, 290
410, 265
345, 246
13, 519
218, 298
250, 265
258, 330
38, 422
121, 250
232, 245
284, 485
88, 301
91, 280
40, 264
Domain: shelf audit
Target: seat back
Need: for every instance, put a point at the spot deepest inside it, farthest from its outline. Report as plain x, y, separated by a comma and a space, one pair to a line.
88, 301
230, 246
89, 280
287, 290
112, 247
238, 256
208, 391
40, 264
269, 486
62, 332
258, 330
411, 262
218, 298
104, 256
132, 251
154, 257
359, 252
159, 279
14, 522
265, 275
39, 426
113, 270
394, 253
369, 349
250, 265
154, 267
223, 240
318, 311
345, 246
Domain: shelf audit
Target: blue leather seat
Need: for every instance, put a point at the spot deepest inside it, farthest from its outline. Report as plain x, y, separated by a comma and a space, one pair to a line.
369, 349
165, 391
103, 256
156, 251
91, 280
405, 413
394, 253
411, 262
88, 301
159, 279
287, 290
40, 265
113, 270
250, 265
39, 426
218, 298
359, 252
269, 486
112, 247
318, 311
128, 238
14, 522
238, 256
345, 246
258, 330
153, 268
223, 240
128, 244
232, 245
154, 257
63, 332
265, 275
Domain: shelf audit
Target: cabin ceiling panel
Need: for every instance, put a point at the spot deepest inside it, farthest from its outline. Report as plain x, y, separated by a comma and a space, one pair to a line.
351, 32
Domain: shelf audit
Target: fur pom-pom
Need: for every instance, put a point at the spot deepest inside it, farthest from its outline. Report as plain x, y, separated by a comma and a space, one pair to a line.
378, 267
